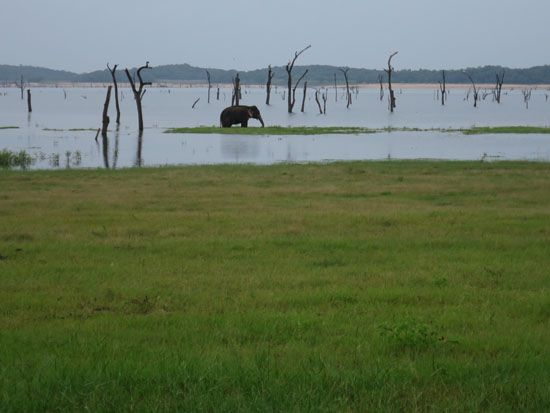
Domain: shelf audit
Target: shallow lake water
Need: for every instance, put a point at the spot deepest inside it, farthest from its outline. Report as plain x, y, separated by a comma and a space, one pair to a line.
46, 134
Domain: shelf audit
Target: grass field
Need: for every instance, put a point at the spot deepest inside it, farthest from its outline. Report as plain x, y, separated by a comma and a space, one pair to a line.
365, 286
330, 130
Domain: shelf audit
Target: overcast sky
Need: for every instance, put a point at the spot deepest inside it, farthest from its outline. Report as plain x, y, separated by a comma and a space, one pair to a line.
83, 35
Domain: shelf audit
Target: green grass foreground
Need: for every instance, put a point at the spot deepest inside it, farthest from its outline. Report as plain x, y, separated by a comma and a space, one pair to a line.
365, 286
352, 130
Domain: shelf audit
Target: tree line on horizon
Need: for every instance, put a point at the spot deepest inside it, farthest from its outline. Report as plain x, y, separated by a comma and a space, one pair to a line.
317, 74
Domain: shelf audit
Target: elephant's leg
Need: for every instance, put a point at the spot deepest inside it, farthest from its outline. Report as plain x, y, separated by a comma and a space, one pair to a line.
244, 124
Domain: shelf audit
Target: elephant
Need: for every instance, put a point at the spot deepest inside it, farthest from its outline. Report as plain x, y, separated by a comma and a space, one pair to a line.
239, 114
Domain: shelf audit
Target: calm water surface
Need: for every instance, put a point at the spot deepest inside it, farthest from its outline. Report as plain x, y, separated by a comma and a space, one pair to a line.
46, 136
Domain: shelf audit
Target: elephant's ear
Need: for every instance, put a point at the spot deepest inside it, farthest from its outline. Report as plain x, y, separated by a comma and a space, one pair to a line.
250, 113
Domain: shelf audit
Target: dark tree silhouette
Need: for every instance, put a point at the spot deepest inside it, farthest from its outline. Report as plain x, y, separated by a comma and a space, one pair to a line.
21, 86
381, 80
268, 84
113, 71
294, 88
236, 91
443, 89
304, 97
209, 84
389, 71
335, 89
498, 87
29, 104
139, 92
317, 100
345, 71
476, 93
105, 123
289, 67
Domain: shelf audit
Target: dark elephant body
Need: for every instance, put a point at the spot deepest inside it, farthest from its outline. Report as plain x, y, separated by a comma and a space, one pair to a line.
239, 114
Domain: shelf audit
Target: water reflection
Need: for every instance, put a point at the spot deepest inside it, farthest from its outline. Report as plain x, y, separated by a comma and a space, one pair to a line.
241, 148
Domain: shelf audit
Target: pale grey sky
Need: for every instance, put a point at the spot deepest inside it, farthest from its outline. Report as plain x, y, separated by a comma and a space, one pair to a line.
82, 35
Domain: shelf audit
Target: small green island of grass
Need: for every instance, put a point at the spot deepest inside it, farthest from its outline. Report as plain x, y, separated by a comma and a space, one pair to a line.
354, 130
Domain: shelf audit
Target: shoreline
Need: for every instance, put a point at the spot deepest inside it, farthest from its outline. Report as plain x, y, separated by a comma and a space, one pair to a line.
225, 86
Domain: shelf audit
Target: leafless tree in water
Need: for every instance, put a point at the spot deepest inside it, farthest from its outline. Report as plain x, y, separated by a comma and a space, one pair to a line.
443, 88
304, 97
268, 85
381, 80
498, 86
289, 67
139, 92
389, 71
105, 118
345, 71
476, 93
115, 84
209, 84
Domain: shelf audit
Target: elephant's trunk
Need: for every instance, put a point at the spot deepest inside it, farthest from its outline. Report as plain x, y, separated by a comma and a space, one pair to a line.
261, 120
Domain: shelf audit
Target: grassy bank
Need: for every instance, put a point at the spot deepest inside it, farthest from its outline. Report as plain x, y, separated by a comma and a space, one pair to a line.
350, 286
354, 130
275, 130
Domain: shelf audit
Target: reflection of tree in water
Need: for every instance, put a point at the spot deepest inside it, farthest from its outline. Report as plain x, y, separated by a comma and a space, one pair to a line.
139, 159
105, 149
72, 159
238, 148
105, 145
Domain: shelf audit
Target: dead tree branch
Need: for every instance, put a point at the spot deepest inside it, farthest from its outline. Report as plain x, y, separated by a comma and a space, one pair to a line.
345, 71
236, 91
317, 100
304, 97
498, 87
389, 71
289, 67
29, 104
268, 84
295, 86
112, 71
139, 92
209, 84
476, 93
105, 123
443, 89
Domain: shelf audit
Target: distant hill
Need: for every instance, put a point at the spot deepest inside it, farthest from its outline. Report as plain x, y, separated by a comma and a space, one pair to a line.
318, 74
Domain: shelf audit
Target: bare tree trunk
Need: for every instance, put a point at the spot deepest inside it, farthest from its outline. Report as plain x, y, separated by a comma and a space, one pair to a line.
139, 92
324, 96
195, 102
115, 83
29, 104
335, 89
317, 100
236, 91
476, 93
218, 93
289, 67
106, 119
304, 96
443, 88
348, 94
498, 88
268, 84
22, 87
389, 71
209, 84
380, 80
294, 88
